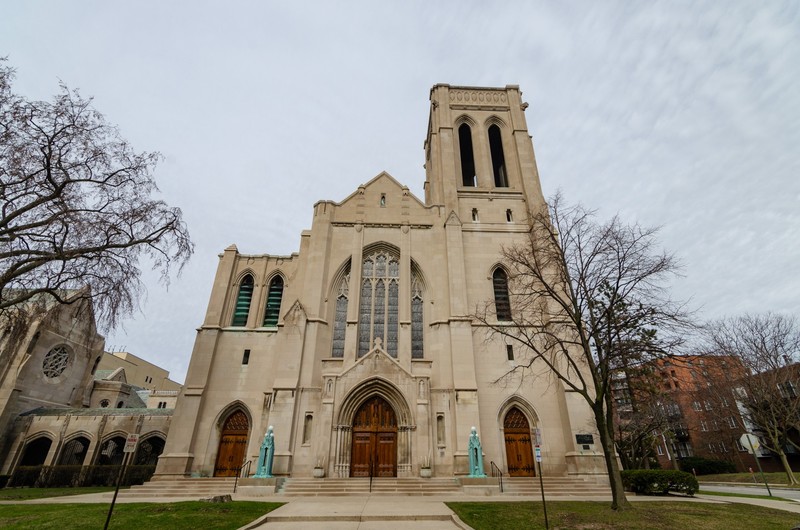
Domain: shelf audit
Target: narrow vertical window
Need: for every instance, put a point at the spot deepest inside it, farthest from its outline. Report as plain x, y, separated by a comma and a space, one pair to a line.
468, 177
501, 301
307, 428
246, 357
242, 308
340, 318
440, 442
416, 320
510, 352
475, 215
509, 216
498, 160
274, 296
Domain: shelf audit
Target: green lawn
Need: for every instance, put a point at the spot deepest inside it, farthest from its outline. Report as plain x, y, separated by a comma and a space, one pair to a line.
175, 516
778, 479
643, 516
14, 494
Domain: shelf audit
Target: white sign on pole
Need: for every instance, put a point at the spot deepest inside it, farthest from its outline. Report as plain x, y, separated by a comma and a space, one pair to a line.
750, 442
538, 454
130, 443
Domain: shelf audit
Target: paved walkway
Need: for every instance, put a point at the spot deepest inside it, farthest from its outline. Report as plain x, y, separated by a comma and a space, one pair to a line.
381, 512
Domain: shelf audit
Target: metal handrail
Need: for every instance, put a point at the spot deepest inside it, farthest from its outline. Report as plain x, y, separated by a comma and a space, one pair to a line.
239, 472
499, 474
371, 462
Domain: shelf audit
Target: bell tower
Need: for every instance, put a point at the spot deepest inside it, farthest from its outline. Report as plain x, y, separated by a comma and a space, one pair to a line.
479, 156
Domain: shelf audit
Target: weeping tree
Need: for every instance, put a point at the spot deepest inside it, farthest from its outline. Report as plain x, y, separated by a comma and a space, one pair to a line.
587, 302
768, 347
79, 211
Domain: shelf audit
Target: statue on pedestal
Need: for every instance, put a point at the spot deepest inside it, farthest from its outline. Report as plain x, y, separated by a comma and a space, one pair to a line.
265, 456
475, 456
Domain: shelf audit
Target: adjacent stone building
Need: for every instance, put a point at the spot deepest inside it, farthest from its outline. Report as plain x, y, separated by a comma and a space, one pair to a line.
360, 349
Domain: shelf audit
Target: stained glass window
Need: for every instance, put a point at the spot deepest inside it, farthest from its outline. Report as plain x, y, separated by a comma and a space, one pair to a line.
274, 296
416, 320
378, 315
501, 301
340, 318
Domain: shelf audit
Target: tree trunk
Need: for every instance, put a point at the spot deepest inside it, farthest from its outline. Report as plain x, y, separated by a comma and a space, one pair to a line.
786, 467
618, 499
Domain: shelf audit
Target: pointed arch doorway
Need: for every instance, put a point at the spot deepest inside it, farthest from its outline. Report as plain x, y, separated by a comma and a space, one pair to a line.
519, 449
232, 444
374, 450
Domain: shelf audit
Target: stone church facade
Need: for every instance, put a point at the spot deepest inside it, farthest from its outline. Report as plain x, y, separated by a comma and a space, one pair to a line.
360, 349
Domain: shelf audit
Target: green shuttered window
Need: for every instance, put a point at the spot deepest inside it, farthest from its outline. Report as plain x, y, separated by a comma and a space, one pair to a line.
274, 296
242, 308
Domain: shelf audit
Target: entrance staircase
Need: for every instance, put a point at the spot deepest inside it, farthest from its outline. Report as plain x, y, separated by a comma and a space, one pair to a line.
554, 487
341, 487
196, 488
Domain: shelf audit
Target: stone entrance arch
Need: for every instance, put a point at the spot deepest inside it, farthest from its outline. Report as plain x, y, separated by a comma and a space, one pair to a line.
391, 433
517, 421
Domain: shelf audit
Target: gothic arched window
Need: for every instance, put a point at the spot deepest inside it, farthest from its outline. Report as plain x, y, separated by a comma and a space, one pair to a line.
274, 296
416, 319
501, 301
498, 160
242, 308
378, 315
468, 177
340, 317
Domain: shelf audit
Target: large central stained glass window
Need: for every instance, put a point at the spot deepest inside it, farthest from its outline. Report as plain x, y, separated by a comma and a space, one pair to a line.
378, 315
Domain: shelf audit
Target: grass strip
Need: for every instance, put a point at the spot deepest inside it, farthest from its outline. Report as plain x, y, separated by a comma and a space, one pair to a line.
18, 494
673, 515
175, 516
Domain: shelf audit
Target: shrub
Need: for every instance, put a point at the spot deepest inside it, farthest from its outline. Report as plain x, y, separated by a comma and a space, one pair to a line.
659, 481
706, 466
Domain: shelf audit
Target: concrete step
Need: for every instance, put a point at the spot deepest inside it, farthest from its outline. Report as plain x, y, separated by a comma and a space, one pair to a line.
180, 487
361, 486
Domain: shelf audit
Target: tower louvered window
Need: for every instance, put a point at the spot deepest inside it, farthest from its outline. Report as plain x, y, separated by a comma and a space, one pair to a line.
416, 320
242, 308
498, 159
468, 177
340, 318
501, 302
378, 315
274, 296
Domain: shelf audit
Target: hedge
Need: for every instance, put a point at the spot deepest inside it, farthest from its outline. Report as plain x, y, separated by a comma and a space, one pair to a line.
706, 466
659, 481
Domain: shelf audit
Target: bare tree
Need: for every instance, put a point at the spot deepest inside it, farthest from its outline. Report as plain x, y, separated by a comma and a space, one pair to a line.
768, 346
78, 209
587, 301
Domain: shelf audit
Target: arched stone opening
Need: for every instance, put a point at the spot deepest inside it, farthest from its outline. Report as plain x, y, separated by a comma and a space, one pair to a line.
35, 452
354, 428
232, 447
518, 422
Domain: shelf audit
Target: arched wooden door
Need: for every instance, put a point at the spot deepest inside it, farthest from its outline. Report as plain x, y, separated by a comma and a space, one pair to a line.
232, 445
519, 450
374, 440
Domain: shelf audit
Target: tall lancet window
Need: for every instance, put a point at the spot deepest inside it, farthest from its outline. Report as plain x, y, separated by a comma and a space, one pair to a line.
502, 304
498, 160
274, 295
468, 177
377, 317
416, 319
340, 318
242, 308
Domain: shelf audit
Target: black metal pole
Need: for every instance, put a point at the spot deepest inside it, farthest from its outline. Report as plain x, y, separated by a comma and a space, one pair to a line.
544, 504
749, 441
116, 490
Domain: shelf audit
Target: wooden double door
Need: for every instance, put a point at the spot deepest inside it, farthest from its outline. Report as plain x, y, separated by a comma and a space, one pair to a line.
232, 445
374, 440
519, 448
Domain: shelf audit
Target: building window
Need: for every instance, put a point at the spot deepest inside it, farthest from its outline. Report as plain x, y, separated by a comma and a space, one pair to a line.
417, 351
696, 405
120, 404
104, 403
340, 318
510, 352
55, 362
246, 357
498, 160
474, 215
380, 275
703, 426
274, 295
468, 177
739, 446
659, 450
708, 405
509, 216
242, 308
501, 302
732, 423
307, 428
722, 447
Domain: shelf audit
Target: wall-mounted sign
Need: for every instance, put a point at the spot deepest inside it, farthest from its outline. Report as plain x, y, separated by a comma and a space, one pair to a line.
583, 439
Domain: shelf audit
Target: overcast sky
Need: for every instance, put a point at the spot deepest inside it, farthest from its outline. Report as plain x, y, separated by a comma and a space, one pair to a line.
684, 115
